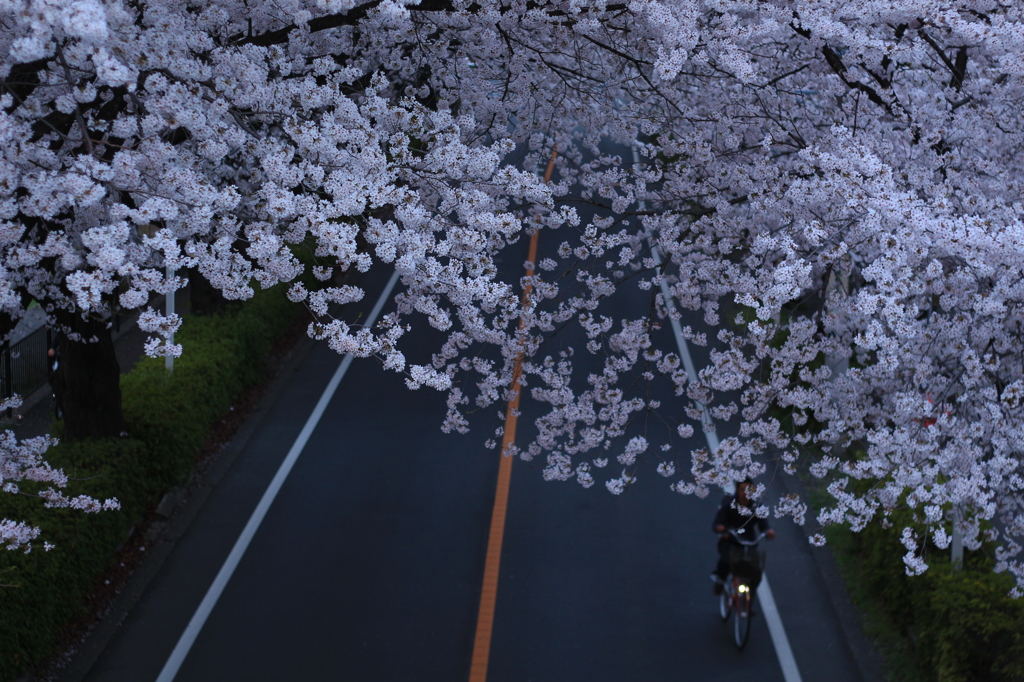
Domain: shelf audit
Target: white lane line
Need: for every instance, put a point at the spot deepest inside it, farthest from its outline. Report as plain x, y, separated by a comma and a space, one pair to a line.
684, 350
220, 582
771, 617
764, 592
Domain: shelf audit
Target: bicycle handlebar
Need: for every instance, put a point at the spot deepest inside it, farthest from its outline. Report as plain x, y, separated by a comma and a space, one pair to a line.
746, 543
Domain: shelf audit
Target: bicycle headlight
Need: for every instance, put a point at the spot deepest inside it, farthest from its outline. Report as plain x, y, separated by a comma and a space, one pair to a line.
743, 588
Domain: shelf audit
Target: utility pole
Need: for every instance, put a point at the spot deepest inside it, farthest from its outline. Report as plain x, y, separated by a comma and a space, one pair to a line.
956, 552
169, 300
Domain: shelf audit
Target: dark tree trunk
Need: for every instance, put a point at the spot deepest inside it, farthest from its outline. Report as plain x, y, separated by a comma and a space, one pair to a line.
7, 325
87, 383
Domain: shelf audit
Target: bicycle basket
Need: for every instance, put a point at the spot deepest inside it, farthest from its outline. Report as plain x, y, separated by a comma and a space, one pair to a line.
747, 564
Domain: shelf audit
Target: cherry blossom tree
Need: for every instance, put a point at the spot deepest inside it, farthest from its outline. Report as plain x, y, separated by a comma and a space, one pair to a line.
827, 195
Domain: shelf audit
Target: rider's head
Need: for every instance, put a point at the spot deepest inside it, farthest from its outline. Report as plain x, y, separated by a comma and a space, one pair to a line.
741, 490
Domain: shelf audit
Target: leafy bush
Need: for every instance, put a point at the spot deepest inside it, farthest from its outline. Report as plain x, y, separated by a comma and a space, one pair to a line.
970, 630
168, 416
952, 626
224, 353
44, 590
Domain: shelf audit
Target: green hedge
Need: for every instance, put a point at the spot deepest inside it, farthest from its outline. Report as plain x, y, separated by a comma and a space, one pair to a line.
944, 625
168, 416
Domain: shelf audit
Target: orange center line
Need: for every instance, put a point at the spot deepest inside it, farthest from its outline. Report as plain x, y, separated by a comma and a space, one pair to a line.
489, 590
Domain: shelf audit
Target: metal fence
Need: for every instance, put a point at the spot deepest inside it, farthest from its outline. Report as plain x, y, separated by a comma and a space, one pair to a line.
24, 366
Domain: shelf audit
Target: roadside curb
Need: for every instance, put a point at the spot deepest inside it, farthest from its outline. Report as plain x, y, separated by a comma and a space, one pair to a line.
182, 505
863, 651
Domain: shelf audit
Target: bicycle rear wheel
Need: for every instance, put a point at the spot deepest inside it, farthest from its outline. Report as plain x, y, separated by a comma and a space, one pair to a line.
725, 602
741, 624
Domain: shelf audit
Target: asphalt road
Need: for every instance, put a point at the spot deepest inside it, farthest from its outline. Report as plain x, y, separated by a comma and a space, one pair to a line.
368, 565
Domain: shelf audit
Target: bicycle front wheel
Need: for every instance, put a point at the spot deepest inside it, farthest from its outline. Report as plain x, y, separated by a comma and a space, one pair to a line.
741, 623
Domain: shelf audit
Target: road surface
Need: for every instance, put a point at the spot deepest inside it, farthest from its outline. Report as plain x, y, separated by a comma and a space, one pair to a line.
368, 564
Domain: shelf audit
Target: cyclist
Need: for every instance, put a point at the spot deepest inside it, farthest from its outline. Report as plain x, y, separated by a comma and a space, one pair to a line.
730, 517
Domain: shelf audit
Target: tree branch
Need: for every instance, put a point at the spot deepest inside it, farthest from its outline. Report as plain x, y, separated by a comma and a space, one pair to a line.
958, 69
78, 110
350, 18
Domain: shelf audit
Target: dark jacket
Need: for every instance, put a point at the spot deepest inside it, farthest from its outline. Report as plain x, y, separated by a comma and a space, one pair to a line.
729, 516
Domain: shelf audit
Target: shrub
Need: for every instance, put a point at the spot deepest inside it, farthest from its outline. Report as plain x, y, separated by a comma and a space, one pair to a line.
959, 626
969, 629
43, 591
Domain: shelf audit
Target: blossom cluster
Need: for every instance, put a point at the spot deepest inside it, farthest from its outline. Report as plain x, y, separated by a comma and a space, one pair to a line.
827, 199
24, 471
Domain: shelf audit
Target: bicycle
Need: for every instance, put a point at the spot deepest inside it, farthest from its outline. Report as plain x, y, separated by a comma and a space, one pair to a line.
746, 564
